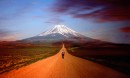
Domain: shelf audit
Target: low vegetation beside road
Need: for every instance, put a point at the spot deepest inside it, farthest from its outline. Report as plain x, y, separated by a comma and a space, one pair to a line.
114, 57
16, 57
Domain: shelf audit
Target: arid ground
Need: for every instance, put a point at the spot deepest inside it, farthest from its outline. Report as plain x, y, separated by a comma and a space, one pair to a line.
67, 67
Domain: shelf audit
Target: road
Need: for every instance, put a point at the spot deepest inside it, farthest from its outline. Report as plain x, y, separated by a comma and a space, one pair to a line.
69, 67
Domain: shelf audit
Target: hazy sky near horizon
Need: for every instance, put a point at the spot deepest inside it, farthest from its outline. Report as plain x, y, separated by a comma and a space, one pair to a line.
107, 20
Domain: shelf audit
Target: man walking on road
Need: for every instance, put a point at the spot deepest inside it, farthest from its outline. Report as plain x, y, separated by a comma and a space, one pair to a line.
63, 53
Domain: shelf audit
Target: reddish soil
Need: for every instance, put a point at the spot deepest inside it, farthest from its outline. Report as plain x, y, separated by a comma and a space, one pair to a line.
69, 67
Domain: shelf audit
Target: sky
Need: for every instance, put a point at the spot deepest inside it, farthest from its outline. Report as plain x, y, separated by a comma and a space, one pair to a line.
106, 20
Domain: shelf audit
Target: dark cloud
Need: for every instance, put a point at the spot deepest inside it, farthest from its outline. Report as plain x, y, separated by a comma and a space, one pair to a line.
107, 10
125, 29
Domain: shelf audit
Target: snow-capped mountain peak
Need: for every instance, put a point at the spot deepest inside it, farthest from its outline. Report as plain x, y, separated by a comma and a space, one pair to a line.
59, 33
60, 29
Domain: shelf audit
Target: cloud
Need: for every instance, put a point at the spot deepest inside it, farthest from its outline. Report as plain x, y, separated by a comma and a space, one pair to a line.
12, 37
3, 33
54, 21
105, 10
125, 29
6, 35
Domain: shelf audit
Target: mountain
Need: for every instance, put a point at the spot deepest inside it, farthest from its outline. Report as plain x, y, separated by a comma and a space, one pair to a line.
61, 30
62, 34
59, 33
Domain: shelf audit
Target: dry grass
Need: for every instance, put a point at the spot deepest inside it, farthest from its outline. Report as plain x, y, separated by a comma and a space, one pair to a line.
14, 58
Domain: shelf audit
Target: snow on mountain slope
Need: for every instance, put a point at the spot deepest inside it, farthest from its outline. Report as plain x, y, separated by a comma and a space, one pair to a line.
61, 29
59, 33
